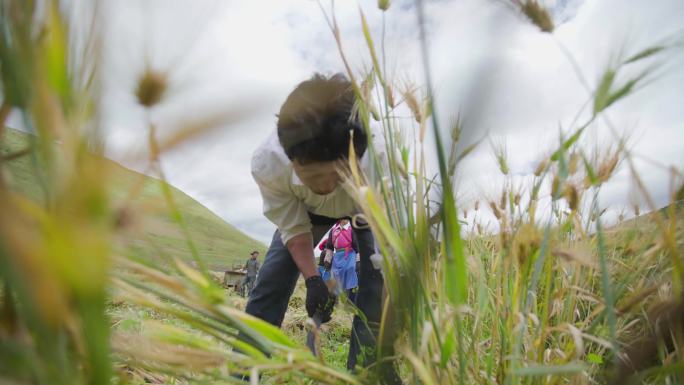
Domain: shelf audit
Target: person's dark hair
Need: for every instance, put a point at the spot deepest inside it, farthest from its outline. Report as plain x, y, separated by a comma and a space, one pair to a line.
315, 121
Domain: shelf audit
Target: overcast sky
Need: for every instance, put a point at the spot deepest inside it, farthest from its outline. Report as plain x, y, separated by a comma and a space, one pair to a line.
507, 79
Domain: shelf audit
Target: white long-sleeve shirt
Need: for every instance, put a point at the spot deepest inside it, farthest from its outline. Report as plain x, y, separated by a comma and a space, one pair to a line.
286, 200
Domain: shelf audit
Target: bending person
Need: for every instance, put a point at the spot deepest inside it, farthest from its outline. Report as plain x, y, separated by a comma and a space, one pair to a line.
295, 169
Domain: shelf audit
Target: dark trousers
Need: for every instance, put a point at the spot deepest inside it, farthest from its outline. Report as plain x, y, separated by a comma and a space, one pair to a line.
248, 284
278, 276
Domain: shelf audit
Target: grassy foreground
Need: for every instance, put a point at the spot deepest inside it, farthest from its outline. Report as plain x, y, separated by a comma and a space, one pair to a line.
552, 297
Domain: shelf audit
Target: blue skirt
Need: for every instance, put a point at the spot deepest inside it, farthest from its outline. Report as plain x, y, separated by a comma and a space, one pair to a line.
344, 269
325, 274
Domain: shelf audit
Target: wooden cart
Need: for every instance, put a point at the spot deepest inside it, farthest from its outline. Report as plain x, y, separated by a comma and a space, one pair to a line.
233, 278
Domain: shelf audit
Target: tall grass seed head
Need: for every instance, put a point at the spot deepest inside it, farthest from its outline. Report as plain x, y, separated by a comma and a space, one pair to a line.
606, 167
572, 164
495, 209
367, 86
537, 14
384, 4
502, 202
151, 87
571, 194
456, 130
534, 194
527, 240
504, 238
427, 109
555, 187
389, 95
374, 111
413, 105
503, 163
541, 167
477, 205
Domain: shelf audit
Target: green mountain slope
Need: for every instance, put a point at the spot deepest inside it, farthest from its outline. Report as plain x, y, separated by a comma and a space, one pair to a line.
646, 223
152, 233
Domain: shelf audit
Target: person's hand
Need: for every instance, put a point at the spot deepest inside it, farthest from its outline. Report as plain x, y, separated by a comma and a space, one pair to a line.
319, 301
327, 261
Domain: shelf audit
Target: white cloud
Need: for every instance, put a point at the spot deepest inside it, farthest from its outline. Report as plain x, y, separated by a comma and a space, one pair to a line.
507, 79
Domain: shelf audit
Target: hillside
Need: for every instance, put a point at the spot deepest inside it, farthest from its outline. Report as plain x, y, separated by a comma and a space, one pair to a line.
154, 235
646, 223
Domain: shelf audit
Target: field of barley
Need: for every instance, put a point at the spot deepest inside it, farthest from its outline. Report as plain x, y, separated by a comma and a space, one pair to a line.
110, 276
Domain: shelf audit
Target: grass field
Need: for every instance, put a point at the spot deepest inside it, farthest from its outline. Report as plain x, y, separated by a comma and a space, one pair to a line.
104, 276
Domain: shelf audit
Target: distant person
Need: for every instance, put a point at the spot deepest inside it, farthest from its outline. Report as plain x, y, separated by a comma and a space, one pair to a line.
344, 251
252, 267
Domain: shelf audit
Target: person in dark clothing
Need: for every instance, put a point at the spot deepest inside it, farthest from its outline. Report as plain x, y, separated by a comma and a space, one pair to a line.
296, 171
252, 267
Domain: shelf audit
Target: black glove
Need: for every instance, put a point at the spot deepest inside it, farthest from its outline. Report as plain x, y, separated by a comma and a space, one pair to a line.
358, 267
319, 301
327, 265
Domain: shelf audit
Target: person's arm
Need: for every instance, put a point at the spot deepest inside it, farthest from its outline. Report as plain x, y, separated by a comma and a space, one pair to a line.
321, 246
328, 260
319, 301
301, 251
289, 214
280, 205
292, 220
